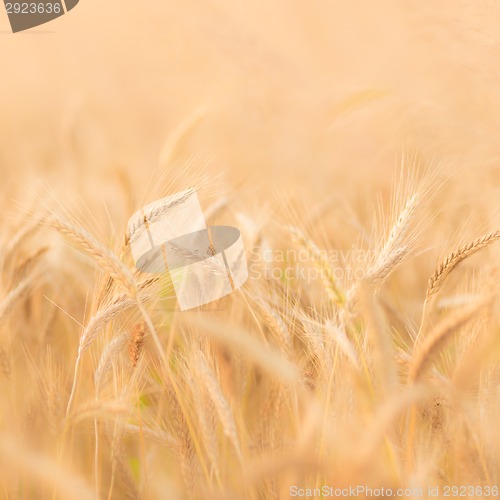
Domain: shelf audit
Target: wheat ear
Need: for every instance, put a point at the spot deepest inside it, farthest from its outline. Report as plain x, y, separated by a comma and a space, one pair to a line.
207, 419
455, 258
92, 329
394, 251
18, 239
219, 400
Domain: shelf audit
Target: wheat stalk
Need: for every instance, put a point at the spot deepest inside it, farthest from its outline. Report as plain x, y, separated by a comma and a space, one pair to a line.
426, 351
103, 368
207, 418
16, 294
110, 263
106, 360
27, 264
156, 213
106, 259
136, 343
185, 447
276, 324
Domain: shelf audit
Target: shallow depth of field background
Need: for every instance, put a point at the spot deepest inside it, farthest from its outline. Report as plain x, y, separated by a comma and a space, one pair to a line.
291, 111
104, 86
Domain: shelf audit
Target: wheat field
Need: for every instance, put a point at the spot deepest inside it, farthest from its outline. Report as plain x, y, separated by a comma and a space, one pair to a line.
355, 146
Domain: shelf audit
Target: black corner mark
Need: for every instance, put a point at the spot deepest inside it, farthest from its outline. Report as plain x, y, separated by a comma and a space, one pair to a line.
70, 4
28, 14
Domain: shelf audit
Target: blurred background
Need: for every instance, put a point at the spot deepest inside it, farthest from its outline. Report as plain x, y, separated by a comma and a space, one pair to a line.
272, 92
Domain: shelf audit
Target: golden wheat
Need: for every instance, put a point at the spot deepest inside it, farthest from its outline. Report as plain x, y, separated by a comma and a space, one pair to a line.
333, 147
447, 266
136, 343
